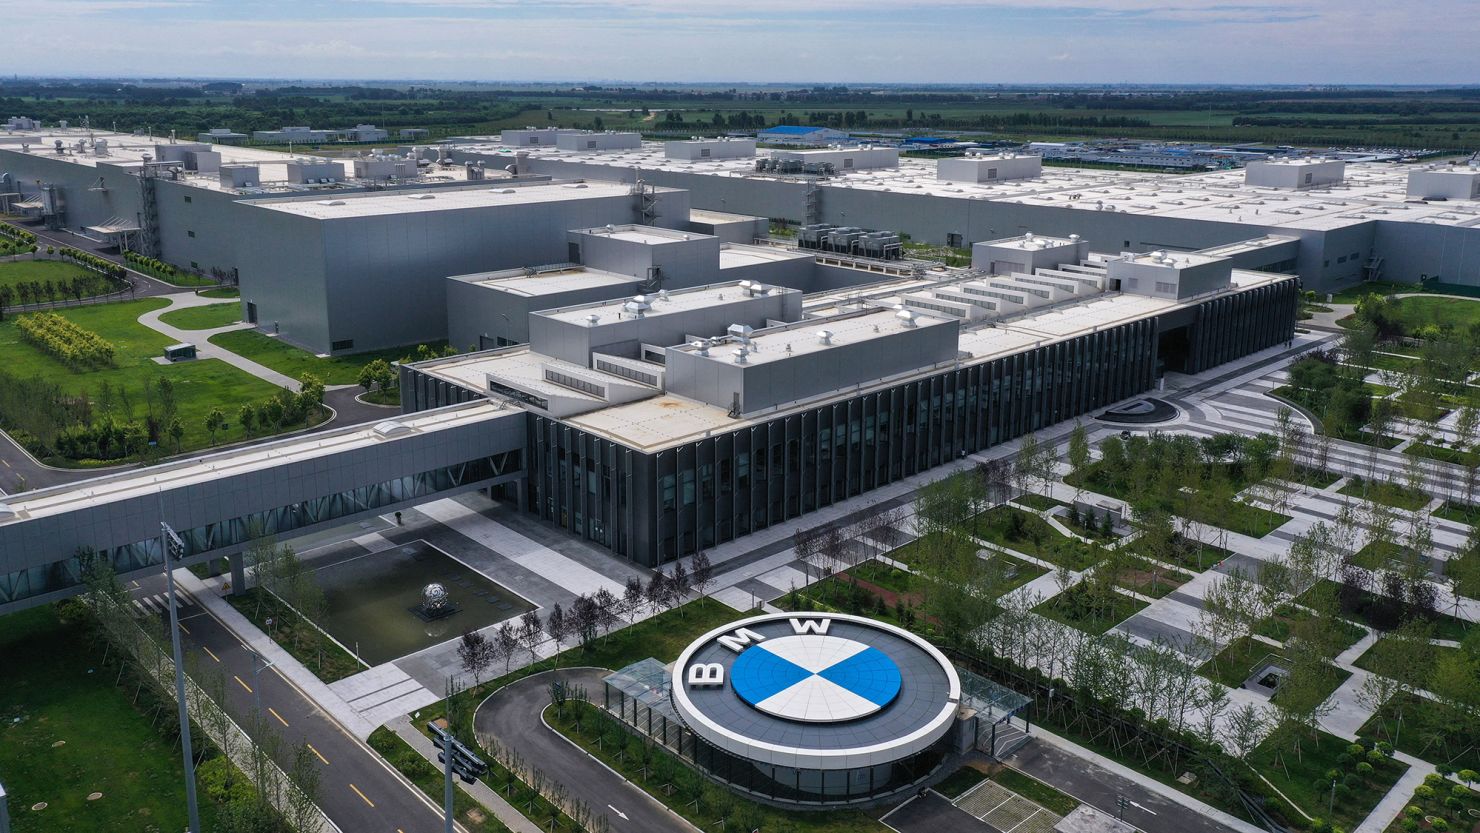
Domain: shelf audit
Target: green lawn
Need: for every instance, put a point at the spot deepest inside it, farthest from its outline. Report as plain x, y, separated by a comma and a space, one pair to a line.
1429, 730
1460, 814
208, 317
292, 361
1278, 626
1392, 494
1364, 661
199, 385
221, 292
958, 782
1301, 775
1227, 514
390, 397
1458, 512
1443, 455
1011, 527
1377, 554
1150, 578
1042, 503
1361, 605
1035, 791
1445, 312
66, 732
1191, 555
1068, 608
22, 271
307, 644
1237, 661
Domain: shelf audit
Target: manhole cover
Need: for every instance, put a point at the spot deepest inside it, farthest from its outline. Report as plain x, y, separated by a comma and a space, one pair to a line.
58, 743
39, 806
94, 796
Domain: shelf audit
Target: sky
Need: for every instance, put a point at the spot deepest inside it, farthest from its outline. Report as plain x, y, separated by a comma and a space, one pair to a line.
761, 41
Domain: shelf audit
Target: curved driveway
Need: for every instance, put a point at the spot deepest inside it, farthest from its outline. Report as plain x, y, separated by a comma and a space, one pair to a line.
512, 716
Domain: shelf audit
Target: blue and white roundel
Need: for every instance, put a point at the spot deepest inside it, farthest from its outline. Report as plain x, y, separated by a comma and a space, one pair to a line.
815, 678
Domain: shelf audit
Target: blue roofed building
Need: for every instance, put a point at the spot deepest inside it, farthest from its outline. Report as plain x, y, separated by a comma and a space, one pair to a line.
787, 134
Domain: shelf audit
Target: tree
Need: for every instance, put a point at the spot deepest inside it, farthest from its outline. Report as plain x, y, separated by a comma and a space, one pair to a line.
701, 573
505, 643
558, 626
177, 433
302, 805
214, 422
656, 592
1079, 456
530, 634
247, 416
476, 652
311, 394
632, 596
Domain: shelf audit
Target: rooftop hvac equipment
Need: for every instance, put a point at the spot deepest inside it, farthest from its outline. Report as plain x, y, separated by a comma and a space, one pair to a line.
638, 305
740, 332
882, 245
843, 240
906, 318
701, 348
740, 354
811, 236
823, 337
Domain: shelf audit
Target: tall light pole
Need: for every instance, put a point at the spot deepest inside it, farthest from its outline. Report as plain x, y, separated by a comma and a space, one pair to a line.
173, 546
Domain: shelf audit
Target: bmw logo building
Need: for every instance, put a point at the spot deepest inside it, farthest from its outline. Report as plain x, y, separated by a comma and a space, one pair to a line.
813, 708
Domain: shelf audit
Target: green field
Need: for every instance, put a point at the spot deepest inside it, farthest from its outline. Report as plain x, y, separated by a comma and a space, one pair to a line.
221, 292
199, 385
292, 361
66, 732
208, 317
1301, 776
20, 271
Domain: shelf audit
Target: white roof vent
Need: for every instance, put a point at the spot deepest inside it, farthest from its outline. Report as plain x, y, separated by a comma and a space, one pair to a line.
592, 320
906, 318
421, 197
700, 347
740, 354
824, 337
391, 428
331, 202
740, 331
1074, 237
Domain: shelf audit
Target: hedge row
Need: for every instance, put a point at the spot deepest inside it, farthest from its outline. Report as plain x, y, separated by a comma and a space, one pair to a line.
65, 340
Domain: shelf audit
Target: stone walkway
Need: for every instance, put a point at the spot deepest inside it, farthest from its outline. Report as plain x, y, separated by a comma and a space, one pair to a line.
201, 338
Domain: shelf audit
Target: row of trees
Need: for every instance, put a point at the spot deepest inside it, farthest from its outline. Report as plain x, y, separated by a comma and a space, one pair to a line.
283, 789
80, 286
589, 618
60, 337
152, 265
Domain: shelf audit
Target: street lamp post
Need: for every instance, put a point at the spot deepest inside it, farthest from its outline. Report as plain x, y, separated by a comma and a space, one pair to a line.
175, 547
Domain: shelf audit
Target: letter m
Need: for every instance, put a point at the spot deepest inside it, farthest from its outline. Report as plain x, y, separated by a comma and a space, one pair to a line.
741, 639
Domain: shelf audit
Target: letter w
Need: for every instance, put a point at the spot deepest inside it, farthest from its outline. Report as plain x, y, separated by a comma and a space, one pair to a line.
818, 626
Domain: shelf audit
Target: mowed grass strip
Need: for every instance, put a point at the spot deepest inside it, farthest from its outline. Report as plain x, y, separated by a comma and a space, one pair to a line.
199, 385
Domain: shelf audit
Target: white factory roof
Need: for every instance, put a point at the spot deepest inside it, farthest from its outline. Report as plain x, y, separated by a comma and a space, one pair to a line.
667, 419
380, 203
646, 235
1032, 242
128, 151
1372, 190
778, 343
678, 300
743, 254
564, 278
704, 215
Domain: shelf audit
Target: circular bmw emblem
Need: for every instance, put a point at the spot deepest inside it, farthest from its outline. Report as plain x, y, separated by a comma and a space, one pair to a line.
815, 678
815, 690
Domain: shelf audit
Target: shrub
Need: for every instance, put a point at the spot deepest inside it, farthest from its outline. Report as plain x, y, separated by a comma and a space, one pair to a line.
65, 340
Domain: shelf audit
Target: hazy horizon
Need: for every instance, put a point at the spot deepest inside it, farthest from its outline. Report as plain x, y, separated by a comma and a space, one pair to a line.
1061, 42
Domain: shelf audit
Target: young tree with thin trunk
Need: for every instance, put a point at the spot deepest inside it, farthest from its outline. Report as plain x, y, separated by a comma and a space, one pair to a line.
1079, 456
701, 572
530, 634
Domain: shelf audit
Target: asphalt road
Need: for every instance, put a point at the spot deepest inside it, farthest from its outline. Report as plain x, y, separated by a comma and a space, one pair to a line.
512, 716
1100, 788
358, 791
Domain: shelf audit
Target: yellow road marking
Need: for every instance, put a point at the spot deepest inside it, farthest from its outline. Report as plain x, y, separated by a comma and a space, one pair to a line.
319, 754
361, 795
243, 683
273, 712
6, 462
210, 653
182, 627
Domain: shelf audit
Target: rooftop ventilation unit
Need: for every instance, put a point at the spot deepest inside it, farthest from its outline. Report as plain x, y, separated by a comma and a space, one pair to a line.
823, 337
740, 332
638, 305
740, 354
701, 348
592, 320
906, 318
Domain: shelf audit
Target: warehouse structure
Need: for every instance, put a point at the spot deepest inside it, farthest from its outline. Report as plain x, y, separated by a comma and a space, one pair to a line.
663, 424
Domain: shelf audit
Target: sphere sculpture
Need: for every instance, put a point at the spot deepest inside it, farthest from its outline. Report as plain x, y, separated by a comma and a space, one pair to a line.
433, 598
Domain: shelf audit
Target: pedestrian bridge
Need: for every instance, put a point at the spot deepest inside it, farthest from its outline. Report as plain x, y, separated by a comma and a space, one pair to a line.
219, 503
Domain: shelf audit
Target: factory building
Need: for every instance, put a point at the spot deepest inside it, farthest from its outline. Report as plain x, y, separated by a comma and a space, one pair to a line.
596, 142
694, 150
664, 423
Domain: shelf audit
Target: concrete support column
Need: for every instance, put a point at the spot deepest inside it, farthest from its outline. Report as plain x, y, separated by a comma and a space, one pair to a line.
522, 486
238, 574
